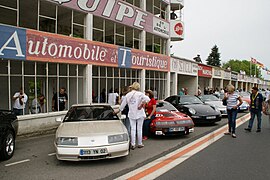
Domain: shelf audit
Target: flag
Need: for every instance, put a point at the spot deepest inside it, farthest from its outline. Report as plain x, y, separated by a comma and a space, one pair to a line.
254, 61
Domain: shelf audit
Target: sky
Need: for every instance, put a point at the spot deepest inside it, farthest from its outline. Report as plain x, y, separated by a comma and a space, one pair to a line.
239, 28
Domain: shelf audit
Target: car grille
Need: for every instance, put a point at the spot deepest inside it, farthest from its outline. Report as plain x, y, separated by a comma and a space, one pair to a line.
94, 157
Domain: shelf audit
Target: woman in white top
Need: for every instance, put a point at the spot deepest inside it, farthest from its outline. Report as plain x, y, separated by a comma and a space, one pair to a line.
233, 103
135, 100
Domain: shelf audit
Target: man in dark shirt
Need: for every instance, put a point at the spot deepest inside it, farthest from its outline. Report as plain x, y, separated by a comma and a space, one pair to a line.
62, 99
256, 100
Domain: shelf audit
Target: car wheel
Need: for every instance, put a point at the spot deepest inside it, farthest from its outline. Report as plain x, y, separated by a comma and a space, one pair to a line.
8, 146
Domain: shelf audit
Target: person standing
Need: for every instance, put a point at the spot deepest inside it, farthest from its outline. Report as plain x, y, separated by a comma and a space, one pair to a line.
150, 108
59, 100
126, 109
37, 104
266, 109
135, 101
256, 100
112, 97
233, 102
20, 99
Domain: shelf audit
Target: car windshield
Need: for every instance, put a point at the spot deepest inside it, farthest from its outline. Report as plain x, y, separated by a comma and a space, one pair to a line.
163, 106
209, 98
90, 113
185, 100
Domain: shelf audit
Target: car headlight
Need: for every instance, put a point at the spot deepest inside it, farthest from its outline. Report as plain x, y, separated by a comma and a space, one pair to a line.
184, 122
67, 141
117, 138
192, 111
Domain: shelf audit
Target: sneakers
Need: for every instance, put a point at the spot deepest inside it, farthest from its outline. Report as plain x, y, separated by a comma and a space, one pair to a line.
227, 133
144, 138
233, 135
140, 146
248, 129
258, 130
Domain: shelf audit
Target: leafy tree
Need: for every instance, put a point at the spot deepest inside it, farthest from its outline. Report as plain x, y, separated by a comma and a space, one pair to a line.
214, 57
243, 65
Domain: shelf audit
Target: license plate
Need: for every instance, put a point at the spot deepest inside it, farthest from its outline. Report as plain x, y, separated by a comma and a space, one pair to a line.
211, 117
176, 129
85, 152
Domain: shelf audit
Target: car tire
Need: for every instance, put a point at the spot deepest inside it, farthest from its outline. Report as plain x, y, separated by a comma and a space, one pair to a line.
8, 146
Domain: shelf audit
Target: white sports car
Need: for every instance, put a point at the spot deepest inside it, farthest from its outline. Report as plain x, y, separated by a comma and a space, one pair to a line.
90, 132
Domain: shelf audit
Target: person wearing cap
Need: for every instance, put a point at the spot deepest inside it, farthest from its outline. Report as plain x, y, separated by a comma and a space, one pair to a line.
136, 101
256, 101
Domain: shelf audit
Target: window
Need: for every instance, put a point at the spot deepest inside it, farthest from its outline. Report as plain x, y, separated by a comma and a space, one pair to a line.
134, 2
156, 81
33, 78
108, 78
28, 19
155, 44
157, 7
8, 12
113, 33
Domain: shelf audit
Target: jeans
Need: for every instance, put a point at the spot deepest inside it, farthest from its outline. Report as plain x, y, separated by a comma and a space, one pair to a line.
136, 124
252, 117
146, 125
18, 112
232, 114
127, 124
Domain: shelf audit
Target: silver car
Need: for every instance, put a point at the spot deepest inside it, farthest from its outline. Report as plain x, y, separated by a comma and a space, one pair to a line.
214, 101
90, 132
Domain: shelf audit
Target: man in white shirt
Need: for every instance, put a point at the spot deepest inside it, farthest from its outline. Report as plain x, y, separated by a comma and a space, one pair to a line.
20, 99
112, 96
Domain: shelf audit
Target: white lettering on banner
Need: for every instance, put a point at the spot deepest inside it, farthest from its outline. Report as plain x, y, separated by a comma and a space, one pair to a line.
17, 47
217, 72
123, 11
83, 5
184, 67
152, 62
96, 53
124, 56
207, 72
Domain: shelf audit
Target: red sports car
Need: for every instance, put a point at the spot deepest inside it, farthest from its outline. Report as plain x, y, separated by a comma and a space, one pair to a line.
169, 121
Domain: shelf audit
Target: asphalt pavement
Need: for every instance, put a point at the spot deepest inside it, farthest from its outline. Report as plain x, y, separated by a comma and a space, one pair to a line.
246, 157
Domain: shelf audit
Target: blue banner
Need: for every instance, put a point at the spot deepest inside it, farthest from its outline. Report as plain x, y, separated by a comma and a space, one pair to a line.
124, 57
12, 43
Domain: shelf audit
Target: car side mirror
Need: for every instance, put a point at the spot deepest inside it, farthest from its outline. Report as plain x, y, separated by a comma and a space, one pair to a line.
58, 119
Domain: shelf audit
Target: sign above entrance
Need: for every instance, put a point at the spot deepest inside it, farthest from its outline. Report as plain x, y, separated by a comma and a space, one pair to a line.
17, 43
205, 71
184, 67
234, 76
121, 12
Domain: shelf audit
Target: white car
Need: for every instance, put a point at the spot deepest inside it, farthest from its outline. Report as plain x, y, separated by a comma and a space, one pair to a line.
90, 132
212, 100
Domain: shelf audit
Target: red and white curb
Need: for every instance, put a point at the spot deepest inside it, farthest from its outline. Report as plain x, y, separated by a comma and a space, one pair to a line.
158, 167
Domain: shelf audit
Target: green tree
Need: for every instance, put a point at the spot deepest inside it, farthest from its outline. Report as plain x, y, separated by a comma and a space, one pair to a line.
243, 65
214, 57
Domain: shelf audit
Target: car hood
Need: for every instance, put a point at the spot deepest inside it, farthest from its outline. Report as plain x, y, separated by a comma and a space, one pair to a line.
171, 115
203, 109
90, 128
218, 104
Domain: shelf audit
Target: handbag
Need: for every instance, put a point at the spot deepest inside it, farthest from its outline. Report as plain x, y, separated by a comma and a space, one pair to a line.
224, 102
